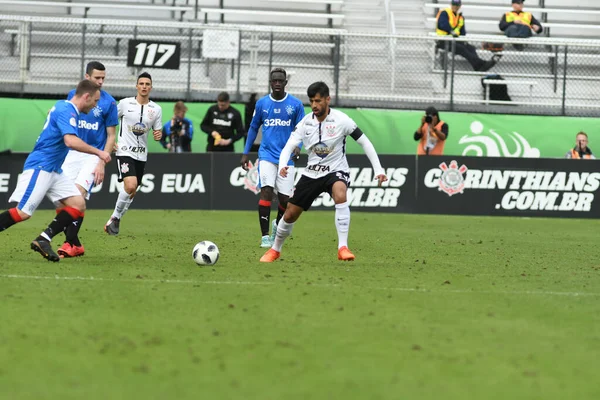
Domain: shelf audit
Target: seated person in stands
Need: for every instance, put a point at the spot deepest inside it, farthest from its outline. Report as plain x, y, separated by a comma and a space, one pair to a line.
519, 24
581, 149
451, 22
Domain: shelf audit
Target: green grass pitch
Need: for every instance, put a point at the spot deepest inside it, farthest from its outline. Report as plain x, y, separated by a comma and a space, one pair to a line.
433, 308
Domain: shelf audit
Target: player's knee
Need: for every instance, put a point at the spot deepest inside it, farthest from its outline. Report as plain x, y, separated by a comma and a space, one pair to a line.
292, 214
339, 194
290, 218
130, 189
266, 193
78, 203
342, 198
23, 215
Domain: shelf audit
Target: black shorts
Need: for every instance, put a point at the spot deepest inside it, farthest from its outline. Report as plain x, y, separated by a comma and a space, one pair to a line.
127, 166
308, 189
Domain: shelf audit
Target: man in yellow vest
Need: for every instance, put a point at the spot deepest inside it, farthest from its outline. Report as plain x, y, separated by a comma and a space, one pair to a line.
431, 134
581, 151
519, 24
451, 22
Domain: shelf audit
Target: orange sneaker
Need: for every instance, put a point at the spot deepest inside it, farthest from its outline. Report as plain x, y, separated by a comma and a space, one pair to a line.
345, 254
67, 250
270, 256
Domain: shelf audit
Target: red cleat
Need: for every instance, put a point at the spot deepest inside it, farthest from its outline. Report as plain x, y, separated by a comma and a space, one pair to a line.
345, 254
67, 250
270, 256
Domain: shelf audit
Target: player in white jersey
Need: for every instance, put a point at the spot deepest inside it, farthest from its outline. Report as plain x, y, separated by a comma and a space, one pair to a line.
138, 115
323, 134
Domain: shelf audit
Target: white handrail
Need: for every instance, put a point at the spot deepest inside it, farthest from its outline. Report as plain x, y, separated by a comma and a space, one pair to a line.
171, 24
467, 7
336, 2
578, 42
64, 4
386, 5
224, 11
545, 24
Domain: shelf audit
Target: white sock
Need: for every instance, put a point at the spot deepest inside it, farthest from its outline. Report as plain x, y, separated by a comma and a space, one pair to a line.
48, 238
122, 205
283, 231
342, 223
129, 201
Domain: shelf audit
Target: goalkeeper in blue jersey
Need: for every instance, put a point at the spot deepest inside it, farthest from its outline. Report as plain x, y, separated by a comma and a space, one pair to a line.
277, 114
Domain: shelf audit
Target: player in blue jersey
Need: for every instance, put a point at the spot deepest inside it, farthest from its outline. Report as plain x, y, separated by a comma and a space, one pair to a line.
42, 174
97, 128
278, 114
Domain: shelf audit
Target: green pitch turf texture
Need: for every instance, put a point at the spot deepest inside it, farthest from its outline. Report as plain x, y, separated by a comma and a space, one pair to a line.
433, 308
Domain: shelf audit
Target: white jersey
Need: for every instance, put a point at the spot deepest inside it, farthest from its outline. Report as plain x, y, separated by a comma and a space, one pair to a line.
325, 142
137, 117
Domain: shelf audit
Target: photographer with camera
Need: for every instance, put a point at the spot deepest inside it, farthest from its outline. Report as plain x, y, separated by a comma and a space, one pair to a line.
178, 132
581, 151
431, 134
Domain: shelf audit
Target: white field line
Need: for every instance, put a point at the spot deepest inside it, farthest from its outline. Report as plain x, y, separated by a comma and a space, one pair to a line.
250, 283
91, 278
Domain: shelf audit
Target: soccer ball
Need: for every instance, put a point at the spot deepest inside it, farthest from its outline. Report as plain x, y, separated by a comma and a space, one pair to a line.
205, 253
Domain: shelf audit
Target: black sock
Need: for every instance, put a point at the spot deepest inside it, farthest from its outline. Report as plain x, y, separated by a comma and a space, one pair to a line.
264, 216
6, 220
58, 224
72, 232
281, 210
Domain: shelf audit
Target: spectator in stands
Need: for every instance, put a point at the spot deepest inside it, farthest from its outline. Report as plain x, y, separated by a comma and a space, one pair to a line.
451, 22
519, 24
581, 149
220, 122
178, 132
248, 114
431, 134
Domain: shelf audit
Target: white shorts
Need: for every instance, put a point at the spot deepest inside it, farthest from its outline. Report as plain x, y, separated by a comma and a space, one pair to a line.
79, 168
34, 184
268, 175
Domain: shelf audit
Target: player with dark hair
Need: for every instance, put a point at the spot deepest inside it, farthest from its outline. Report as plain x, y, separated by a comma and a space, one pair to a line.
220, 122
96, 128
277, 114
138, 115
323, 134
42, 174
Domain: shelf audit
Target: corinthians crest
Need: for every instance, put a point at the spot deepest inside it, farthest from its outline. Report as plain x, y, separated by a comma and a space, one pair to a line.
452, 180
251, 179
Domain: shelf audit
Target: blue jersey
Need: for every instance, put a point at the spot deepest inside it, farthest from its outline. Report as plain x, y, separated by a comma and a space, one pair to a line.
92, 126
278, 119
50, 149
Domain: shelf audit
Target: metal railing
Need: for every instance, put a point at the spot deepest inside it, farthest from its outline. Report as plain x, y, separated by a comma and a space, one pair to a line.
550, 76
195, 11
